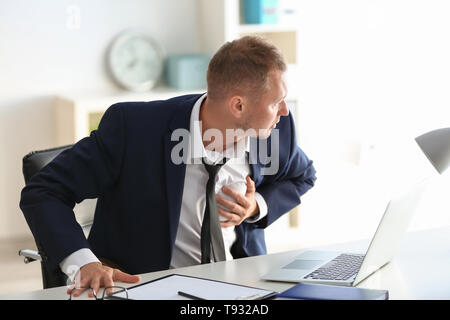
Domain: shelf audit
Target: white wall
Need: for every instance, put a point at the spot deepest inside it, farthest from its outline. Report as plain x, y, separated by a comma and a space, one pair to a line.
53, 46
373, 75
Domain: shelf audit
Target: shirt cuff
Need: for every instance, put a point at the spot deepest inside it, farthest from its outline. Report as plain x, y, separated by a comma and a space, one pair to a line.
262, 209
72, 263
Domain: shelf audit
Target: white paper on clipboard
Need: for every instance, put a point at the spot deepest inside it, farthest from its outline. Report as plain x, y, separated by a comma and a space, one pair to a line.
167, 288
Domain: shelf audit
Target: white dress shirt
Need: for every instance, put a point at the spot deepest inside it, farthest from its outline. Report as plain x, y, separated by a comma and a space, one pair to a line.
186, 250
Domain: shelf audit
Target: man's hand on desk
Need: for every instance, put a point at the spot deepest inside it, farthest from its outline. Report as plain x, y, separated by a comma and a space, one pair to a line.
95, 275
245, 206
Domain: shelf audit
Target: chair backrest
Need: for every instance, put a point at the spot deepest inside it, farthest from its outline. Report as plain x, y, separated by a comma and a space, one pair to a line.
32, 163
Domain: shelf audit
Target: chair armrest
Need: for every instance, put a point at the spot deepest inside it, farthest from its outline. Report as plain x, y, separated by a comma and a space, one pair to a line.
30, 255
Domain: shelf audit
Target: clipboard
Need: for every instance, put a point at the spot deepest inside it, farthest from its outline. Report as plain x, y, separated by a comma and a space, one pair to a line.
182, 287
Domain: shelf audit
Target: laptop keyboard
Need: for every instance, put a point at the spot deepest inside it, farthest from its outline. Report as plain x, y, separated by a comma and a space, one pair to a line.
342, 267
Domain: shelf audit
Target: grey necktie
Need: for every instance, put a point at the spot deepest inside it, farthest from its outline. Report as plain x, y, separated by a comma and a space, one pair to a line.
211, 233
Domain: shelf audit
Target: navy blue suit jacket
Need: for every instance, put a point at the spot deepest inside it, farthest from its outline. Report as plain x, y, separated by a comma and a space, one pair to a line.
126, 164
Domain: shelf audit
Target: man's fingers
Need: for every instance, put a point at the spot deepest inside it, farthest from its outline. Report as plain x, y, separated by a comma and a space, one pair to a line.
77, 291
125, 277
230, 205
71, 288
227, 215
96, 276
232, 218
239, 198
250, 186
226, 224
95, 285
109, 283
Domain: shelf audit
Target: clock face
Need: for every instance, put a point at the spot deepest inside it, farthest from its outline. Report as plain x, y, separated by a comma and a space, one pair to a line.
135, 61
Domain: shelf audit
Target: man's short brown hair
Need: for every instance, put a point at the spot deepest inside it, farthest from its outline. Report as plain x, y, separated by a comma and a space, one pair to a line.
242, 66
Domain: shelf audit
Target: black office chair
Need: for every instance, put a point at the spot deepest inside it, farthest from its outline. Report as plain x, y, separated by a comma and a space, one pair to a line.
32, 163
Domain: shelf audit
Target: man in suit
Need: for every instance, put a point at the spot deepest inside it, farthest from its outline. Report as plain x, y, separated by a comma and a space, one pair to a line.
151, 206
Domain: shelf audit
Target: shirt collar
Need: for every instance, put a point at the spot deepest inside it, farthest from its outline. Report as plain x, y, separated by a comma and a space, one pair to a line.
197, 151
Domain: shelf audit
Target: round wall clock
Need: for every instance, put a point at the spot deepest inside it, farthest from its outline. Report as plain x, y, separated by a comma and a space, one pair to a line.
135, 61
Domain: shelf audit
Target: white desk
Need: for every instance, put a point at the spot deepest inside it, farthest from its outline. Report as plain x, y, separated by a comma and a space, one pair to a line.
420, 269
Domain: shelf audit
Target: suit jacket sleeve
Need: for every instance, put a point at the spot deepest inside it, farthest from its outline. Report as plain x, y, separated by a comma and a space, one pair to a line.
295, 176
81, 172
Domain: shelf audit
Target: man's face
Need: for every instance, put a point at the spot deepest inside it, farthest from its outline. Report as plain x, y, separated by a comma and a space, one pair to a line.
263, 115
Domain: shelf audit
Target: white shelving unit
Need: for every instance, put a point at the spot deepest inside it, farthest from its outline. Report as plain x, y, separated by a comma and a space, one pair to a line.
76, 114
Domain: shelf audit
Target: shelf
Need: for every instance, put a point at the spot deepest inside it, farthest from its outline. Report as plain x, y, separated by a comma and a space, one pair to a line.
78, 113
265, 28
91, 100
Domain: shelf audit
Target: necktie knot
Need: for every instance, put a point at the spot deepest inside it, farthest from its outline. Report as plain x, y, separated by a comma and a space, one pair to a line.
213, 169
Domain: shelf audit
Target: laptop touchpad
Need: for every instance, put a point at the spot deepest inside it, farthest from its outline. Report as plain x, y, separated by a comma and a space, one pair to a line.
303, 264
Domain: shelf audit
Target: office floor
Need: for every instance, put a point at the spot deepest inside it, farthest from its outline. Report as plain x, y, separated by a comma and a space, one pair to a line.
16, 276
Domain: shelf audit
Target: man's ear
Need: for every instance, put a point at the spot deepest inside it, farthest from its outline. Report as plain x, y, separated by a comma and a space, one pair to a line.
236, 106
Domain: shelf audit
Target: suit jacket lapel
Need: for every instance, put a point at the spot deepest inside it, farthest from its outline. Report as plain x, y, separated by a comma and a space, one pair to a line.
175, 173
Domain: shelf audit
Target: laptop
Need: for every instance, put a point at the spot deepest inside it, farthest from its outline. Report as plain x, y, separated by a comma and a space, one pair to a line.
349, 269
